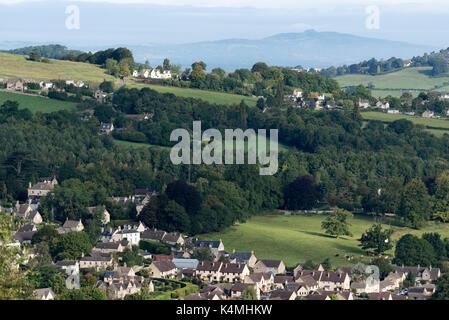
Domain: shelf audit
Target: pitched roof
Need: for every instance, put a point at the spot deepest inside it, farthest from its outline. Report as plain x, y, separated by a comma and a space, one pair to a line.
307, 280
281, 294
283, 279
317, 297
258, 276
164, 266
108, 245
232, 268
241, 256
271, 263
208, 243
208, 266
96, 256
380, 296
24, 236
152, 235
42, 186
27, 228
71, 224
41, 293
172, 237
333, 277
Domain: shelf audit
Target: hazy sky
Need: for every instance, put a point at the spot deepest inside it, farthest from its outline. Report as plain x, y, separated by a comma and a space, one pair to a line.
109, 22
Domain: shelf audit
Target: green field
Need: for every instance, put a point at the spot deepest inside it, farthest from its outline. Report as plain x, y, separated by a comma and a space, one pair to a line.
435, 126
298, 238
36, 103
281, 147
16, 66
210, 96
407, 79
137, 144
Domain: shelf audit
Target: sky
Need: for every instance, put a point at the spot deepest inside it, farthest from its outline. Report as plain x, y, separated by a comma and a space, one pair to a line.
143, 22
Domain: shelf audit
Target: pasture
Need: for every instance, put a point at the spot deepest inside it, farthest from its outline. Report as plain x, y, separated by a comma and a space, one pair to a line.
298, 238
36, 103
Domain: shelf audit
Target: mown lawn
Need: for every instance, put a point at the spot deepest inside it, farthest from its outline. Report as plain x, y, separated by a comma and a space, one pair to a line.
16, 66
36, 103
299, 238
210, 96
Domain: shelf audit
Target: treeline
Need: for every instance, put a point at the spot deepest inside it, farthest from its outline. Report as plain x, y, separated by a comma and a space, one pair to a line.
260, 80
118, 61
52, 51
439, 61
371, 67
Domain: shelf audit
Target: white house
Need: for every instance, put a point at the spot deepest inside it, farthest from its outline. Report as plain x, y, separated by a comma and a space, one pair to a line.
46, 85
133, 236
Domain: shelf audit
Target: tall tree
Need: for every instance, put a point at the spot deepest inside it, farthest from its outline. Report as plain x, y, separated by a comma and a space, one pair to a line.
336, 224
415, 204
377, 239
302, 194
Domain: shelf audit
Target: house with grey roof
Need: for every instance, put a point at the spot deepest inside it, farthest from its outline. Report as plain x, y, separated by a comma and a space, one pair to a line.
42, 188
243, 257
234, 272
24, 237
28, 228
97, 261
270, 266
423, 292
216, 247
427, 274
109, 247
164, 269
283, 295
71, 226
173, 239
44, 294
106, 128
262, 281
153, 235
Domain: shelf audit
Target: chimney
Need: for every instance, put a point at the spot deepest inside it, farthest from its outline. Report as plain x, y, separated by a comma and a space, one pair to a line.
29, 184
233, 250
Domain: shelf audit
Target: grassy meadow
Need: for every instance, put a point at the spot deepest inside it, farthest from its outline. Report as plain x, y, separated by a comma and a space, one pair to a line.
413, 80
36, 103
437, 127
17, 66
210, 96
298, 238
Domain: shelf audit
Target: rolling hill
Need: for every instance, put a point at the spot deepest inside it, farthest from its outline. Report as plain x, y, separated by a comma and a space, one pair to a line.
394, 83
17, 66
309, 49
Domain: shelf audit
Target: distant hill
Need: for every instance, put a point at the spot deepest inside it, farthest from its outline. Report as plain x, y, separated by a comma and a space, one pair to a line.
308, 49
52, 51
